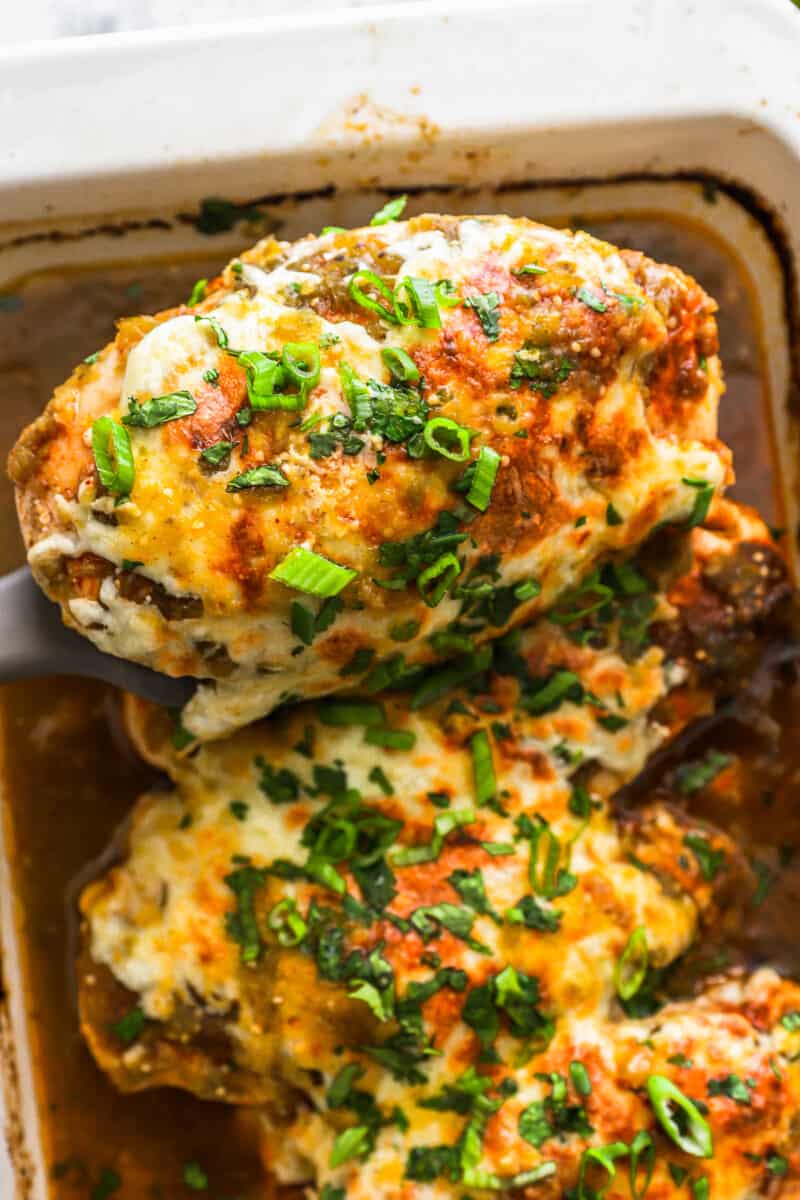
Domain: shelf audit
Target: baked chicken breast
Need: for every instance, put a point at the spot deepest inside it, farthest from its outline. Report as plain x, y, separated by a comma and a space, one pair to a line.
343, 448
420, 936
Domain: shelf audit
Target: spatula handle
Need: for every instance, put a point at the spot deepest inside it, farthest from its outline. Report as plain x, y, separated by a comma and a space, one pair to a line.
35, 642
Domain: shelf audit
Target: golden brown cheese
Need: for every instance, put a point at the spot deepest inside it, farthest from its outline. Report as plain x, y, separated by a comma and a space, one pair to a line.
343, 916
726, 1049
585, 376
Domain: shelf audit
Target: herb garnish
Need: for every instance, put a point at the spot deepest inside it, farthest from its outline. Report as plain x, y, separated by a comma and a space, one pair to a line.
217, 455
391, 210
487, 309
241, 925
267, 475
709, 860
543, 369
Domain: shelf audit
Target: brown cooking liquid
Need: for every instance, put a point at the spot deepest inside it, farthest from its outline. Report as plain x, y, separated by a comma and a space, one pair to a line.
71, 778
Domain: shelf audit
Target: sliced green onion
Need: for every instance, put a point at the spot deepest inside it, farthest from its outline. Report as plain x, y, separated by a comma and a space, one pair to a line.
530, 269
487, 465
422, 307
286, 923
445, 823
553, 692
301, 362
441, 574
400, 364
159, 409
441, 682
216, 329
312, 573
333, 229
391, 210
264, 377
643, 1149
483, 767
527, 589
580, 1078
198, 292
267, 475
604, 1157
404, 632
113, 456
446, 294
447, 438
351, 712
679, 1117
391, 739
350, 1143
590, 299
447, 641
357, 293
535, 1175
631, 969
702, 501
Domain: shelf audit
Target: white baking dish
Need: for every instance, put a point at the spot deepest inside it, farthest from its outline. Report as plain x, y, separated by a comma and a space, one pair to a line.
502, 106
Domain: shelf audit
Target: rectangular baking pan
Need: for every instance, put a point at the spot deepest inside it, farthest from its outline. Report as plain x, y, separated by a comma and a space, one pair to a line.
664, 126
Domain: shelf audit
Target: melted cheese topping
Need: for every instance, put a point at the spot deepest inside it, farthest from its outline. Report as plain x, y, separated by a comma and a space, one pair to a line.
592, 458
426, 983
563, 886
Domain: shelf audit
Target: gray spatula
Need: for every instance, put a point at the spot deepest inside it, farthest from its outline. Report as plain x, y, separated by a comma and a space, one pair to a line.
34, 642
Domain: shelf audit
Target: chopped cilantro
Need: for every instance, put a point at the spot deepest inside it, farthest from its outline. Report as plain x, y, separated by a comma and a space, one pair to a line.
395, 412
241, 924
109, 1182
268, 475
533, 915
217, 455
553, 1116
280, 786
709, 860
159, 409
130, 1027
731, 1086
472, 890
764, 881
429, 920
378, 775
195, 1177
541, 368
692, 777
487, 309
